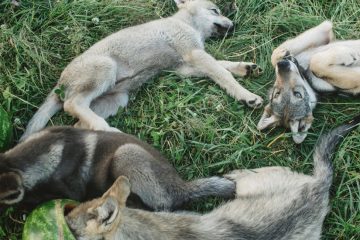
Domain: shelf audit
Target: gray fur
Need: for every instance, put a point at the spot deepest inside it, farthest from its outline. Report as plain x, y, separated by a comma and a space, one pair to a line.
271, 203
66, 162
98, 81
308, 64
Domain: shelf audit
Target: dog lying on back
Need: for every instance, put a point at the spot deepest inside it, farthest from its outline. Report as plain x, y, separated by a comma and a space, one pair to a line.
64, 162
271, 203
98, 81
310, 63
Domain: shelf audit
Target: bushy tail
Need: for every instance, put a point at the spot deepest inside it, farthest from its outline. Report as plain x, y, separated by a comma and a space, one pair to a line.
213, 186
51, 106
324, 149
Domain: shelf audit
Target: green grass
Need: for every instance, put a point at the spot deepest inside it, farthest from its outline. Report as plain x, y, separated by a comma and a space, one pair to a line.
201, 129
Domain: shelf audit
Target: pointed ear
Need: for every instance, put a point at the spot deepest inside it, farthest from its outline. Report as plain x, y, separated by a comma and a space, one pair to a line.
179, 2
105, 214
268, 119
120, 190
297, 136
300, 128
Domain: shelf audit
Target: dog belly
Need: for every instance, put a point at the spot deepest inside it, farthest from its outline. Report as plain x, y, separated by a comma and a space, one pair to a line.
135, 81
132, 73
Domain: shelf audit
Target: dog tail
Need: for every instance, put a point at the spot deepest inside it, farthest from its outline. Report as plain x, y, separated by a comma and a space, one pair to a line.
213, 186
51, 106
325, 148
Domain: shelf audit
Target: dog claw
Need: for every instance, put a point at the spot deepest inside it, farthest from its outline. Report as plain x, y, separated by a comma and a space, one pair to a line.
252, 102
254, 70
255, 103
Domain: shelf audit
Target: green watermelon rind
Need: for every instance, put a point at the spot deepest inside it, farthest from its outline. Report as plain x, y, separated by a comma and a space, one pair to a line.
5, 129
47, 222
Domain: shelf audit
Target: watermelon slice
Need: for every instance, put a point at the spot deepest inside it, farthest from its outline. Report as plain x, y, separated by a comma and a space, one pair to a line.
47, 222
5, 129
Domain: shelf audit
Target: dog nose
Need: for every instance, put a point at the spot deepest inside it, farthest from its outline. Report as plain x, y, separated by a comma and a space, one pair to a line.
231, 27
283, 65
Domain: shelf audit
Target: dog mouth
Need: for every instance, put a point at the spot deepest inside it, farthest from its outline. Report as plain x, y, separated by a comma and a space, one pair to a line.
223, 30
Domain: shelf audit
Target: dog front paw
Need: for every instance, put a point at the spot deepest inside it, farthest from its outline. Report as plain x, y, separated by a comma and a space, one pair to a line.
245, 69
278, 54
253, 70
254, 101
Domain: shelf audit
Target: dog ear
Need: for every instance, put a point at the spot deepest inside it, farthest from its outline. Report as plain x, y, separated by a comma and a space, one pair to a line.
179, 2
105, 214
120, 190
268, 119
299, 128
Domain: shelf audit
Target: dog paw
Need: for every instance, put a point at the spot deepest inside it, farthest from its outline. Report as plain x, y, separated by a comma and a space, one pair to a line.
244, 69
254, 101
253, 69
278, 54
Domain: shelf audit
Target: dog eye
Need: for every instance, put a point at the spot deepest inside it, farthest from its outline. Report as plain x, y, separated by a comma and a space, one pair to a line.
297, 94
276, 94
214, 10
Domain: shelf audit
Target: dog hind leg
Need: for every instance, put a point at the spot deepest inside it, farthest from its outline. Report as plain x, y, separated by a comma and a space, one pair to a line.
99, 75
340, 66
108, 104
158, 184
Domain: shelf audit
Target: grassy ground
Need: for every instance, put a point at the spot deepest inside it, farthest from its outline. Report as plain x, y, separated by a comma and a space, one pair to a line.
201, 129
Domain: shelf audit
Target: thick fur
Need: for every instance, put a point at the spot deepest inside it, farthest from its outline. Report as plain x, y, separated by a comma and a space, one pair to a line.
310, 63
271, 203
65, 162
98, 81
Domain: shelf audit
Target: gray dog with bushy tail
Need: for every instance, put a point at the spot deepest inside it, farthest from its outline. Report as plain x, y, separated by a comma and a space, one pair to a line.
271, 203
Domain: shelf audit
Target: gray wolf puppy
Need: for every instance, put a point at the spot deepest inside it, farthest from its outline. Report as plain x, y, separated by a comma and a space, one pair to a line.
98, 81
65, 162
310, 63
271, 203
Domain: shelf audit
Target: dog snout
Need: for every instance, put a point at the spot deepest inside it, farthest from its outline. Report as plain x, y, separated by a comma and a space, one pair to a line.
224, 26
231, 27
284, 66
228, 24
